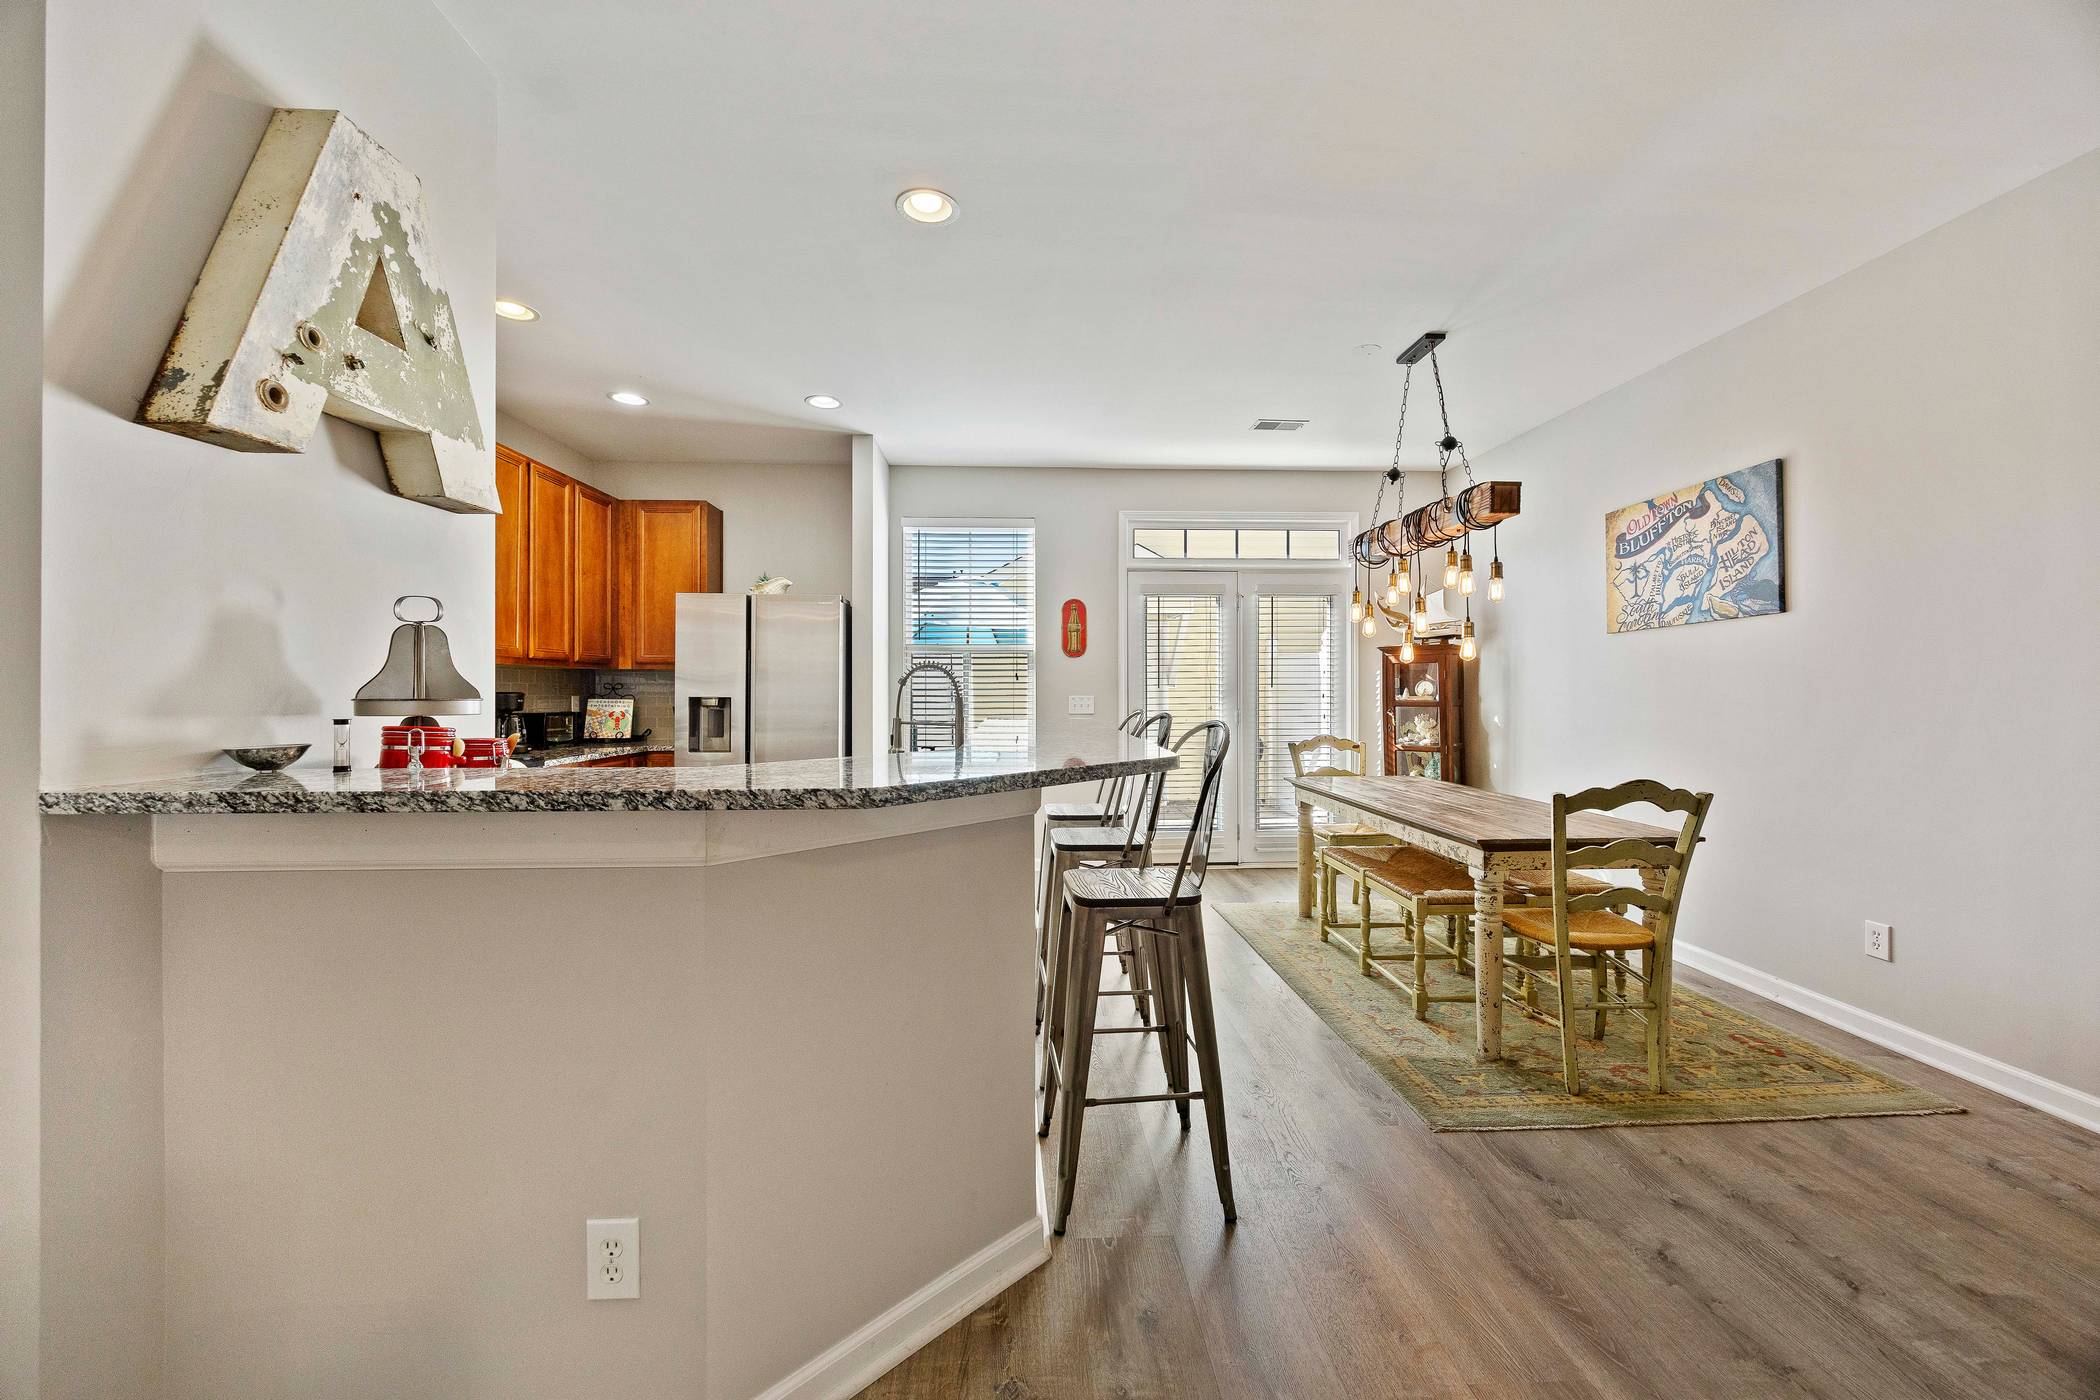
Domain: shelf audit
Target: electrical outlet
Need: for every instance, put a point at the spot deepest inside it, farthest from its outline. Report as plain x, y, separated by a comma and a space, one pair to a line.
1079, 704
612, 1258
1881, 941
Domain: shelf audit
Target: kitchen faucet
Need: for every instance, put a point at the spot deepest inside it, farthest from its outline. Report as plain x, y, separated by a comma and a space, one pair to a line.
899, 725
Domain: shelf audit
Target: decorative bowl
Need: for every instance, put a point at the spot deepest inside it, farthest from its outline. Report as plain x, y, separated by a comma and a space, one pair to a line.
268, 758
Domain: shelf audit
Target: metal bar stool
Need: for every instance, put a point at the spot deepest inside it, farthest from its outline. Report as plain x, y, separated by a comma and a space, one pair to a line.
1106, 809
1098, 811
1124, 841
1163, 907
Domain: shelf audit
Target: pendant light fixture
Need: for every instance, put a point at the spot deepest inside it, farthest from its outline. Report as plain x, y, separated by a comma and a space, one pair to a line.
1403, 541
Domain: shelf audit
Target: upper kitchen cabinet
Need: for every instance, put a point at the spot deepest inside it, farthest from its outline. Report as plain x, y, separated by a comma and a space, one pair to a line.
666, 548
592, 577
511, 552
585, 579
550, 565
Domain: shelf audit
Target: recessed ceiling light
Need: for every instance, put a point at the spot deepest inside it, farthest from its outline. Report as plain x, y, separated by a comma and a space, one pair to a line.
515, 310
926, 206
628, 397
821, 401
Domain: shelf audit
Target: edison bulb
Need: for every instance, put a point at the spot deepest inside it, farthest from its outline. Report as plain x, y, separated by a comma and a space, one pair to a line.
1495, 582
1407, 650
1465, 573
1370, 627
1392, 588
1467, 647
1356, 604
1451, 568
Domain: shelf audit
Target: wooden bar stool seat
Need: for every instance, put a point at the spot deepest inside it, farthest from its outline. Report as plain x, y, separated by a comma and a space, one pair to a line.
1075, 813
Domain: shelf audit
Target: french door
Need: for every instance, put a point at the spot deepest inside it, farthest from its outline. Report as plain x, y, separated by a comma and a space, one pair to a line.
1268, 653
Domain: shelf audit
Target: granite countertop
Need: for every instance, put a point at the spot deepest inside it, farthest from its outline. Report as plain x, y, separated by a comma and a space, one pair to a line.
823, 784
584, 750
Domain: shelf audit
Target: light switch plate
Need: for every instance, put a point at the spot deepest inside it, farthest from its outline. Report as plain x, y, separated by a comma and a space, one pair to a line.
612, 1258
1079, 704
1881, 941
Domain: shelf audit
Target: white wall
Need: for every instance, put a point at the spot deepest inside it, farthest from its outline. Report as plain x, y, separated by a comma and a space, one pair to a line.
21, 372
873, 505
792, 521
1075, 511
1908, 742
520, 436
196, 597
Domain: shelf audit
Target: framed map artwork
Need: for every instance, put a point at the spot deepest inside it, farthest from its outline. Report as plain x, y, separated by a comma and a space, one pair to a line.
1705, 553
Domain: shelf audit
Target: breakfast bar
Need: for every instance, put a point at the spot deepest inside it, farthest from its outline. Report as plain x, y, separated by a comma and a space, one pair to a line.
779, 1013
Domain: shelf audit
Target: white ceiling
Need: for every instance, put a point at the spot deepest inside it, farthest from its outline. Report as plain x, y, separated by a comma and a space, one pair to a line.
1180, 215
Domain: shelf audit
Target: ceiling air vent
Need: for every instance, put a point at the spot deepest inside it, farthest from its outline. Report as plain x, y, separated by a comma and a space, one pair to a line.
1279, 425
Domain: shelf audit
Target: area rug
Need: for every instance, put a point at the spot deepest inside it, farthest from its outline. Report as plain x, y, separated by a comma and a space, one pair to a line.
1726, 1066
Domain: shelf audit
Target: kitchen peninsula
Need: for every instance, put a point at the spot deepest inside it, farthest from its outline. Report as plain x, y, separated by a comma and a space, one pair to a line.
778, 1012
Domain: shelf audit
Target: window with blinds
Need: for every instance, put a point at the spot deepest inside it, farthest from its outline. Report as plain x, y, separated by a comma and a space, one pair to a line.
1297, 693
969, 608
1185, 675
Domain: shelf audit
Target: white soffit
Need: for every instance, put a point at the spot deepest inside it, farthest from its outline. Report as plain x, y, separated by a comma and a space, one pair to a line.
1179, 218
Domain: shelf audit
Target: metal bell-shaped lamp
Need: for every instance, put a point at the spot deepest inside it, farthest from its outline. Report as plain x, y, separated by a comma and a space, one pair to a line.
418, 680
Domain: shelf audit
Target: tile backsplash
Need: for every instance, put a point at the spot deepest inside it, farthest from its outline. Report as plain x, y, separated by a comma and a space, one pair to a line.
551, 688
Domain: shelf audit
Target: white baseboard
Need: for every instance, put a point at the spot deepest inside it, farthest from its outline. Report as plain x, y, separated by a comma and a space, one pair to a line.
2060, 1100
853, 1364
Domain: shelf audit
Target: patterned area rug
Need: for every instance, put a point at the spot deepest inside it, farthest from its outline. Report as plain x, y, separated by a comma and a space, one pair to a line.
1726, 1067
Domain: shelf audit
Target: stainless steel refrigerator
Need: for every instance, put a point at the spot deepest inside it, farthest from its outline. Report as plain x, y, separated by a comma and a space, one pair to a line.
762, 679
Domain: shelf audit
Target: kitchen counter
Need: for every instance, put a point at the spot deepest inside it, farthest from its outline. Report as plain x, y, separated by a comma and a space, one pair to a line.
830, 784
590, 750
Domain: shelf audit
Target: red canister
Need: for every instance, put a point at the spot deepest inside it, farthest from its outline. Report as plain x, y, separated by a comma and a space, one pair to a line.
398, 741
484, 753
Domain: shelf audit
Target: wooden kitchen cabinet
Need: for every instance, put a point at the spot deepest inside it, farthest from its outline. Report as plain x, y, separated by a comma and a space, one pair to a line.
550, 565
592, 577
586, 579
511, 551
666, 548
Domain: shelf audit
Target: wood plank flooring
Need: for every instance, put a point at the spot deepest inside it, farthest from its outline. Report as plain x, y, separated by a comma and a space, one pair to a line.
1869, 1257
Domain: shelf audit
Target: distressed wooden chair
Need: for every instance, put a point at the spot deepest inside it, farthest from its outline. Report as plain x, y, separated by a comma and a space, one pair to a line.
1161, 907
1331, 756
1593, 928
1126, 840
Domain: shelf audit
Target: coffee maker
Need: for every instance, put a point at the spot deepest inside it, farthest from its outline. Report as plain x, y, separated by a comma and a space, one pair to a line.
510, 713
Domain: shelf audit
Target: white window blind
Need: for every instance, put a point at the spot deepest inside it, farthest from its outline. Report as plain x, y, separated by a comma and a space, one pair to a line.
1298, 692
969, 607
1184, 674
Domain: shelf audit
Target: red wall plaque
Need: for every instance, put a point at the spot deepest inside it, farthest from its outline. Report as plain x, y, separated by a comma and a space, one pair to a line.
1072, 628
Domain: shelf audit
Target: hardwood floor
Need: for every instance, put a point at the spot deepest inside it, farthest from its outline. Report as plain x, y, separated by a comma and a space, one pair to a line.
1868, 1257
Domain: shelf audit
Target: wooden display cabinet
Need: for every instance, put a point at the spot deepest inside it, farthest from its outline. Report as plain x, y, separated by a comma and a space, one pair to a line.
1421, 711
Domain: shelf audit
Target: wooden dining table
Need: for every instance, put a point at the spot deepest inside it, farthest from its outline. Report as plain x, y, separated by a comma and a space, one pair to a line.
1492, 834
